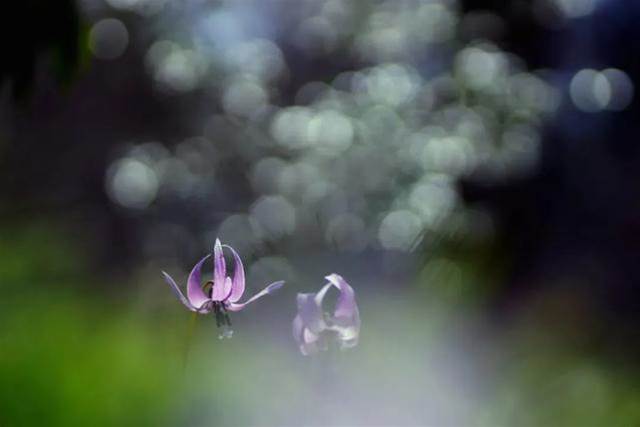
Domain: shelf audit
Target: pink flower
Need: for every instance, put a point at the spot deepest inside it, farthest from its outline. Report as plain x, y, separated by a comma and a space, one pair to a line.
223, 292
312, 327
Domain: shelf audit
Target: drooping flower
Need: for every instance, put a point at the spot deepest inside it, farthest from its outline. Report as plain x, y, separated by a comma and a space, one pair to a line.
220, 294
313, 327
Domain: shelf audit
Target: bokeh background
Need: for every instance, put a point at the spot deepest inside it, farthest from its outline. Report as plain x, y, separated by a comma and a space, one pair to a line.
471, 167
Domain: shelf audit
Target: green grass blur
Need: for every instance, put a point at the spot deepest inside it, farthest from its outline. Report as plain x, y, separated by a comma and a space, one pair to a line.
77, 355
67, 357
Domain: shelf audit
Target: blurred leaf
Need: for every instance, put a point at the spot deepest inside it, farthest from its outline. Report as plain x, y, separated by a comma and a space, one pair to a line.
35, 255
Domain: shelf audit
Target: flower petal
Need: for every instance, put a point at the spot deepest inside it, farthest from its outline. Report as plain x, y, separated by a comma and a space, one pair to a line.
310, 310
177, 291
348, 330
221, 293
346, 304
196, 296
306, 340
346, 317
266, 291
298, 329
238, 284
219, 265
221, 290
311, 343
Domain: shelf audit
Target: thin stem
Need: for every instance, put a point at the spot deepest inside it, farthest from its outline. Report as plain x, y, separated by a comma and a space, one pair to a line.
188, 340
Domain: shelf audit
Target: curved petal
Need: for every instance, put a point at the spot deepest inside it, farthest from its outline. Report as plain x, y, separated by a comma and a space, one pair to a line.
346, 304
176, 290
221, 293
266, 291
346, 317
238, 284
310, 310
219, 266
196, 296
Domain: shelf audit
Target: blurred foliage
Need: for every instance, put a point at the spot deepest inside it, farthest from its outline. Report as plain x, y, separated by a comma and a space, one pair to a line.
65, 363
544, 382
72, 358
36, 252
67, 359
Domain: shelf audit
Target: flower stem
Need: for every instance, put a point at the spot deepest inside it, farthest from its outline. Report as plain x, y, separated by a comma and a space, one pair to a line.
188, 340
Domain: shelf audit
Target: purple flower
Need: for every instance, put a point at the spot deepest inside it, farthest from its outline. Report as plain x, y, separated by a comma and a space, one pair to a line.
312, 327
220, 294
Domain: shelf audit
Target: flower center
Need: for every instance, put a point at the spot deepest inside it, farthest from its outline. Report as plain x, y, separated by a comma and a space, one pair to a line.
219, 310
207, 288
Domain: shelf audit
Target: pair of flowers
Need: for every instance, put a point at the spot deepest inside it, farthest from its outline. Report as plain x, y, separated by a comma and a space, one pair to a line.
312, 327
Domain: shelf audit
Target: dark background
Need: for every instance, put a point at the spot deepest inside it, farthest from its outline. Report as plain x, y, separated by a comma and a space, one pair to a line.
547, 301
